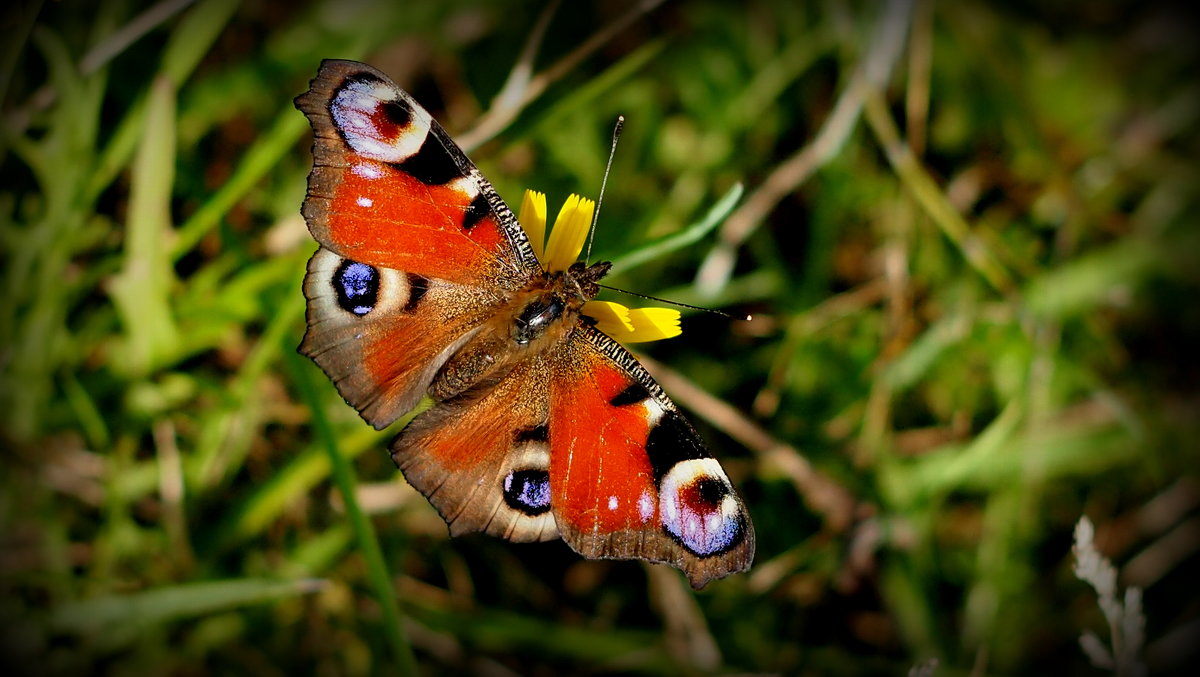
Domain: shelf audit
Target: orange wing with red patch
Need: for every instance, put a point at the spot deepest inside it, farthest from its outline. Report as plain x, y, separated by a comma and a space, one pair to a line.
390, 188
381, 335
417, 249
482, 458
629, 477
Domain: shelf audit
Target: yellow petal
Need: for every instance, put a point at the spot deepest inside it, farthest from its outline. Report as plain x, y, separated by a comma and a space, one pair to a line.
533, 219
653, 324
569, 233
611, 318
636, 325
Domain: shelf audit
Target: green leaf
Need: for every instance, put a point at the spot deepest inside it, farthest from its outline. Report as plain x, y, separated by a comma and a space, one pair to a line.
118, 619
690, 235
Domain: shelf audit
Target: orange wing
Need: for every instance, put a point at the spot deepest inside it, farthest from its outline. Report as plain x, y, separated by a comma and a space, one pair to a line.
381, 335
629, 476
482, 458
390, 188
417, 249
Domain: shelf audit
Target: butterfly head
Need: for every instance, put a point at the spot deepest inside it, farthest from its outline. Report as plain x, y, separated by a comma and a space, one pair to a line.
587, 278
558, 255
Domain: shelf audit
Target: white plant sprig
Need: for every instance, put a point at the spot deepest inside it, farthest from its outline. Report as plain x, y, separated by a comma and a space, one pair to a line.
925, 668
1126, 622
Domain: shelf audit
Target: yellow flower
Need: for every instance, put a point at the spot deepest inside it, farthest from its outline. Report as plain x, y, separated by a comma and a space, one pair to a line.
633, 325
533, 219
570, 231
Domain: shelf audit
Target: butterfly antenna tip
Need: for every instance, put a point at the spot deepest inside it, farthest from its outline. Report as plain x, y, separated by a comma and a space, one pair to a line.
604, 183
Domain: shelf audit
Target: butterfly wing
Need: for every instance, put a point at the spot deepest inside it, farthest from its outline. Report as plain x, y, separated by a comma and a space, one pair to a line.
381, 334
482, 458
417, 249
629, 477
390, 188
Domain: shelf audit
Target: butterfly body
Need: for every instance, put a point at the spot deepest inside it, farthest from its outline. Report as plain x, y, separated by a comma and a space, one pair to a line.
542, 425
534, 320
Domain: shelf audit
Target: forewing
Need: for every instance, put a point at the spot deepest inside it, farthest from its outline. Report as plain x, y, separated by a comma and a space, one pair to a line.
629, 477
391, 189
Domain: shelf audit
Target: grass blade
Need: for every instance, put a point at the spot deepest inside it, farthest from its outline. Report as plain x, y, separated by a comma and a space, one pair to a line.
364, 531
690, 235
117, 619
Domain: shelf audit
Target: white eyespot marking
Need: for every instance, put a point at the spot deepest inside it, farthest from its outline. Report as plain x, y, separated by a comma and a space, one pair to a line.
342, 291
612, 502
532, 454
699, 509
654, 412
364, 201
367, 170
378, 121
645, 506
467, 186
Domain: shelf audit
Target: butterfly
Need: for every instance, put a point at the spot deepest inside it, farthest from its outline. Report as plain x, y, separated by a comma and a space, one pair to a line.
542, 425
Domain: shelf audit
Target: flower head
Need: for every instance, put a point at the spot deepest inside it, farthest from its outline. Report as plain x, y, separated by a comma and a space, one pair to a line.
627, 325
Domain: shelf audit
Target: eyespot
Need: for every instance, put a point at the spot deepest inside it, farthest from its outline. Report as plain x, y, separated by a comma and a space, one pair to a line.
699, 509
357, 287
528, 491
377, 121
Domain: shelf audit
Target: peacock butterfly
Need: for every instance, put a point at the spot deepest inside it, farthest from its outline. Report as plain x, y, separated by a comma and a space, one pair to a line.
542, 425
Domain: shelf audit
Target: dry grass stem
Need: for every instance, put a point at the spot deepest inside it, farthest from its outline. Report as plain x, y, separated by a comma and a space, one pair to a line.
717, 268
520, 89
820, 491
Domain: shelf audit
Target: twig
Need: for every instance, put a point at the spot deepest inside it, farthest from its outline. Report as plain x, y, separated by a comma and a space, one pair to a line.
1164, 554
171, 489
821, 492
687, 635
931, 198
520, 89
140, 25
97, 57
717, 267
920, 66
805, 324
509, 95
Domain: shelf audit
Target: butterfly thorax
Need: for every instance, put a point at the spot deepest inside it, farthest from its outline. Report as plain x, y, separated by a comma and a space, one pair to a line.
534, 320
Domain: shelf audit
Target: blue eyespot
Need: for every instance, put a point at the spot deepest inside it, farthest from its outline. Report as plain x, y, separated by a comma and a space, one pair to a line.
357, 287
528, 491
699, 509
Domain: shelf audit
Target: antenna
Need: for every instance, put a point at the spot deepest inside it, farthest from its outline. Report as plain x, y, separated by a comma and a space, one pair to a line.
604, 182
744, 318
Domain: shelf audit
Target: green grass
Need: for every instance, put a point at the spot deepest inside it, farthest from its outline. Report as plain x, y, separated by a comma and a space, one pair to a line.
966, 233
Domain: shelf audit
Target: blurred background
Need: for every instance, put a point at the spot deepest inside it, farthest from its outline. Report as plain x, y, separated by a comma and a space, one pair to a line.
966, 232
